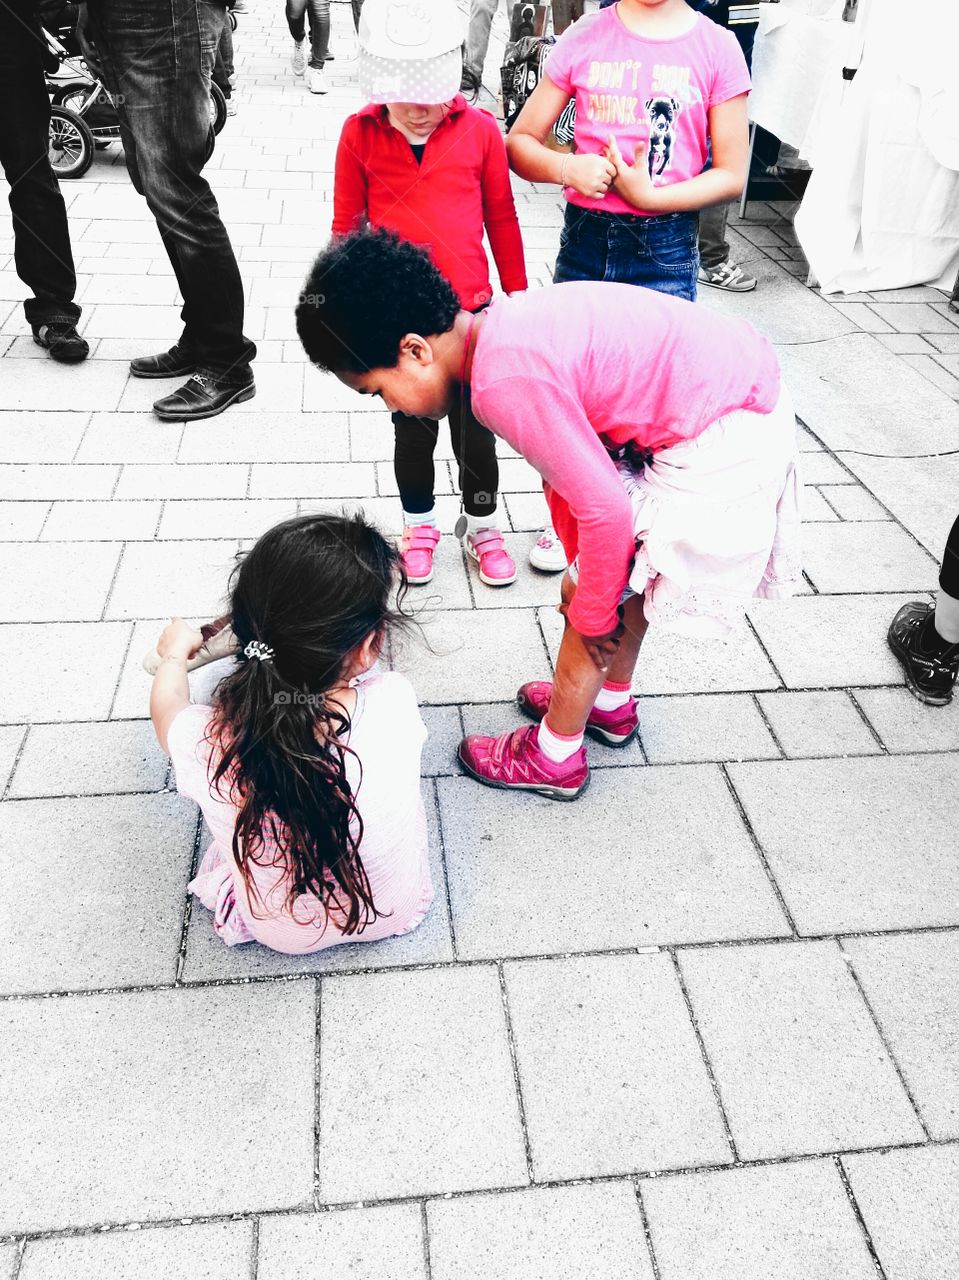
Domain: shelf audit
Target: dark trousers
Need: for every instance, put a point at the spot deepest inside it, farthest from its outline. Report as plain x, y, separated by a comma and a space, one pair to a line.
319, 11
475, 450
949, 573
158, 58
357, 5
223, 66
41, 237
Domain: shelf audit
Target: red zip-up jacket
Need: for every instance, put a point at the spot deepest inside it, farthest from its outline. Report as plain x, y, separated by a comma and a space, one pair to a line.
443, 203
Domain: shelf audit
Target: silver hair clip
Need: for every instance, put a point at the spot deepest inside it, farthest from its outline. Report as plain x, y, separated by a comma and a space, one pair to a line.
257, 649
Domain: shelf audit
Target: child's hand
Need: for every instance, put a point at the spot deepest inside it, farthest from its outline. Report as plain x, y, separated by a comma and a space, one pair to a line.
179, 640
590, 175
602, 649
632, 181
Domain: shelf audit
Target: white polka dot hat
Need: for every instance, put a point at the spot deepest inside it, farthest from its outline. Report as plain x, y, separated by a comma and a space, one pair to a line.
410, 50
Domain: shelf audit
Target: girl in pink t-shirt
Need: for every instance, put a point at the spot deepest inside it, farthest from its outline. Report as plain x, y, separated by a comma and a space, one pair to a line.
660, 92
664, 437
306, 764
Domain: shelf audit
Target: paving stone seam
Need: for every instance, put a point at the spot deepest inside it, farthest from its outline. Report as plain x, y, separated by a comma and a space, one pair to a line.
552, 1184
121, 665
438, 810
425, 1235
854, 1204
874, 731
317, 1081
517, 1081
255, 1250
760, 851
113, 583
709, 944
647, 1231
753, 696
704, 1054
188, 904
765, 652
16, 760
907, 1089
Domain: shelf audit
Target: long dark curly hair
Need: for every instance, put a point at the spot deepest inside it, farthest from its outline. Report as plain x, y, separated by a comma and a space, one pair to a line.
312, 589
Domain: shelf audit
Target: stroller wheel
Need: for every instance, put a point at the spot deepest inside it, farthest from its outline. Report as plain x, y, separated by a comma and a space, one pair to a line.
217, 108
72, 95
71, 144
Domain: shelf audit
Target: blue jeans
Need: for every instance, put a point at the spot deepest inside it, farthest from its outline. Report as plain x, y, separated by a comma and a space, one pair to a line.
658, 252
319, 27
158, 58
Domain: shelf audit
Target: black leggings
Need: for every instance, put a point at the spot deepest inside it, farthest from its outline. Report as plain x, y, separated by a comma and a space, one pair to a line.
949, 573
475, 451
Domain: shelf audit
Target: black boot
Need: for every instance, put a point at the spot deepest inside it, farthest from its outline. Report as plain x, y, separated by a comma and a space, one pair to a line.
175, 363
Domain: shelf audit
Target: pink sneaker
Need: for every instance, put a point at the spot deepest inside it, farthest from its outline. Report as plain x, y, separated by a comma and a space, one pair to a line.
416, 547
514, 762
613, 728
496, 567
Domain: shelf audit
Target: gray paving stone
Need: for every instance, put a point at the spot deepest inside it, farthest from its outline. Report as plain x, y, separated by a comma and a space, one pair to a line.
178, 480
41, 437
512, 860
528, 511
531, 588
89, 759
829, 641
384, 1243
611, 1072
11, 736
791, 1222
505, 646
906, 724
853, 503
676, 664
204, 1251
910, 981
97, 521
8, 1261
863, 317
312, 480
57, 581
905, 344
132, 684
445, 731
270, 437
817, 724
909, 1201
172, 578
494, 718
842, 388
119, 437
589, 1232
111, 911
860, 843
820, 468
95, 384
866, 557
22, 521
726, 726
224, 518
111, 1099
815, 506
416, 1091
920, 492
798, 1061
371, 434
916, 317
61, 670
431, 943
387, 487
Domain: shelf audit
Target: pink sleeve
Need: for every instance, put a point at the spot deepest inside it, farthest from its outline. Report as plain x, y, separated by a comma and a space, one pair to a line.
186, 740
559, 64
550, 429
731, 75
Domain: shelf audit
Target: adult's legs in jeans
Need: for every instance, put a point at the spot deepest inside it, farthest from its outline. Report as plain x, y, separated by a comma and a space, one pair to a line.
474, 447
223, 66
357, 5
477, 39
158, 57
578, 680
414, 443
319, 11
42, 253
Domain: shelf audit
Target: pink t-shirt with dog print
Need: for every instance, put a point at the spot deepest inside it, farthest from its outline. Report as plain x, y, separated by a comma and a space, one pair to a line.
644, 90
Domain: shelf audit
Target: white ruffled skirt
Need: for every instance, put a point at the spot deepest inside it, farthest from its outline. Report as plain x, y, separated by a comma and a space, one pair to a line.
717, 522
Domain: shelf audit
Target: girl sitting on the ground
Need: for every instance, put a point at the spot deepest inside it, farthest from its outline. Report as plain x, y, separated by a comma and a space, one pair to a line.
307, 764
665, 440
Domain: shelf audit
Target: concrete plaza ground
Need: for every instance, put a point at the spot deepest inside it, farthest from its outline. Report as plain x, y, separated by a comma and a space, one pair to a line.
701, 1025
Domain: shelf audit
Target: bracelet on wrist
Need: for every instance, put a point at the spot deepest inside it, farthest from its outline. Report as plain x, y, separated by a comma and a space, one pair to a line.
562, 173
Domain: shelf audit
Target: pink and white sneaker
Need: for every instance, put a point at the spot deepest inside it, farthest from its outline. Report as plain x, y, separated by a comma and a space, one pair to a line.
417, 546
613, 728
514, 762
547, 554
496, 567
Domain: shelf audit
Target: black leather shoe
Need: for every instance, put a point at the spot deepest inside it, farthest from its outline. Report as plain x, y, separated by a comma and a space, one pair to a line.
62, 341
175, 363
202, 397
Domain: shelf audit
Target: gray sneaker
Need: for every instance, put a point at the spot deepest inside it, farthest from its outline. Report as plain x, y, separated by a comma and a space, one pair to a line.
726, 276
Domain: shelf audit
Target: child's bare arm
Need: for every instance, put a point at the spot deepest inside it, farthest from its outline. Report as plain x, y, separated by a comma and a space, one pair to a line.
590, 175
729, 138
171, 689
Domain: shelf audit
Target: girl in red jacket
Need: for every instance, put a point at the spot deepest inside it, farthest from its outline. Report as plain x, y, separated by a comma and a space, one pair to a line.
422, 162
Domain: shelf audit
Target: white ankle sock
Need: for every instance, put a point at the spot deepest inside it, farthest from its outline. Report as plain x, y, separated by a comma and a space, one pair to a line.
556, 746
947, 617
612, 696
411, 520
475, 523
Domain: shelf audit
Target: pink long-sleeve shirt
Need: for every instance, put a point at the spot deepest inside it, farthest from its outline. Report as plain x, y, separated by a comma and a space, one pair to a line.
563, 372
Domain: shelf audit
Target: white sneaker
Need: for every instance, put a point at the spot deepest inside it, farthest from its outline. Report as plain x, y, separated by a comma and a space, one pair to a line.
316, 80
298, 60
547, 554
